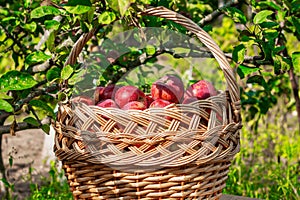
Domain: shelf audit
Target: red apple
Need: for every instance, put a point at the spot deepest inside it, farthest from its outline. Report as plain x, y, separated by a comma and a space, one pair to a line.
83, 99
107, 103
169, 88
107, 92
202, 90
134, 105
129, 93
159, 103
149, 101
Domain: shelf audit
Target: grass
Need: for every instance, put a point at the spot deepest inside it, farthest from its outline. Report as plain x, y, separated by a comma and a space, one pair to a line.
54, 187
268, 165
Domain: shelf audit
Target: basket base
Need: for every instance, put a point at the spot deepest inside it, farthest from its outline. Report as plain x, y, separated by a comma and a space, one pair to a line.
91, 181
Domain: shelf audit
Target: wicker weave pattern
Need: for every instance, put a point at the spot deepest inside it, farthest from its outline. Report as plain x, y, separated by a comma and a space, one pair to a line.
173, 136
192, 182
177, 152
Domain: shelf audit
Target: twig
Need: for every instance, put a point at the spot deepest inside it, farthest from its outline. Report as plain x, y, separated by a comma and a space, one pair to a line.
216, 13
22, 126
34, 94
41, 67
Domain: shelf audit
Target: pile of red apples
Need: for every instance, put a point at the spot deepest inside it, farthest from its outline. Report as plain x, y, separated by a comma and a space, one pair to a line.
165, 91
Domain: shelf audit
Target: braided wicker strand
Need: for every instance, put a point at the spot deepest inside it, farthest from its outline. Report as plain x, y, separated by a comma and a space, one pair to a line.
78, 46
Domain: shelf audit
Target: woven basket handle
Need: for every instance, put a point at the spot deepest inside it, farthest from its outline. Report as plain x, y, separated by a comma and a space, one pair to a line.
204, 37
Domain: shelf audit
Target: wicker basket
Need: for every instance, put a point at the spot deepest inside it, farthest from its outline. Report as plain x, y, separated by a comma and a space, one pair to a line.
156, 153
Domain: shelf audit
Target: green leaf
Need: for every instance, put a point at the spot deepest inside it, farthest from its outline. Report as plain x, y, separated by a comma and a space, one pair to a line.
107, 17
285, 64
256, 79
278, 49
120, 6
277, 64
15, 80
281, 14
243, 71
66, 72
245, 36
27, 3
238, 53
32, 121
84, 26
269, 24
52, 24
270, 34
42, 105
78, 6
30, 27
236, 15
3, 11
36, 57
7, 20
4, 105
46, 128
262, 16
267, 49
150, 50
79, 9
295, 6
53, 73
281, 64
79, 2
6, 183
3, 95
264, 105
43, 11
207, 28
91, 14
50, 43
77, 77
296, 23
269, 4
296, 61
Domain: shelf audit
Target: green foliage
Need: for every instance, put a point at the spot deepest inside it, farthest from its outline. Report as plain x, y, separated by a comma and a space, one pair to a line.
237, 15
53, 187
267, 166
